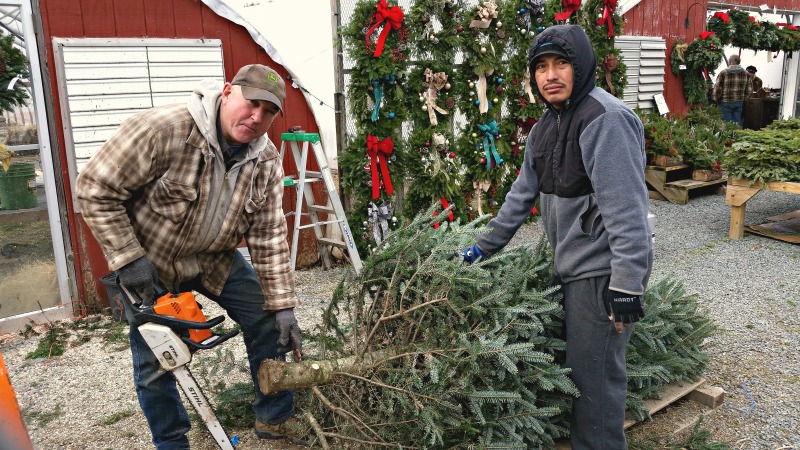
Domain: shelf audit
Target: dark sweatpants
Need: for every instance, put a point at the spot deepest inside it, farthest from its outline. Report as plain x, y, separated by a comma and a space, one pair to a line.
596, 355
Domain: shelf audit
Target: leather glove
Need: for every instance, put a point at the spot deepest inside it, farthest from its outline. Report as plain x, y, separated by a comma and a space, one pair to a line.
472, 253
289, 338
140, 276
624, 308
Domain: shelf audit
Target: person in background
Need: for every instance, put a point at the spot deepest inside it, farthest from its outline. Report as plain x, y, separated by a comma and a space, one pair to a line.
757, 83
585, 160
169, 197
734, 85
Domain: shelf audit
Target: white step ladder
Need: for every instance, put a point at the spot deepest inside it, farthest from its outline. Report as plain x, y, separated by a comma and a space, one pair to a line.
300, 141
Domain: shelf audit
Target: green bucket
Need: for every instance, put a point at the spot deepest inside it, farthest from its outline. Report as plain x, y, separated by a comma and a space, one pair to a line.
18, 186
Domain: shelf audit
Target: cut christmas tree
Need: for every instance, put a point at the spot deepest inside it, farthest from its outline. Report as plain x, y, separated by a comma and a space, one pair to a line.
423, 351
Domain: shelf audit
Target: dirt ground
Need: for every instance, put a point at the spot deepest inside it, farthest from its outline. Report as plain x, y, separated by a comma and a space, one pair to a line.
27, 268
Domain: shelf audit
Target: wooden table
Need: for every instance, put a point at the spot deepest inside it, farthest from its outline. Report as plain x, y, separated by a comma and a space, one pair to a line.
740, 191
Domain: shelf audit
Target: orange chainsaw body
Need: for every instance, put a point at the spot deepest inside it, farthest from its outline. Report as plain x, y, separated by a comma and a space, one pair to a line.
183, 306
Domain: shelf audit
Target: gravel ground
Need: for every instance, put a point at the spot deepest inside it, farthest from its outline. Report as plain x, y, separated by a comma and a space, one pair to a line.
750, 287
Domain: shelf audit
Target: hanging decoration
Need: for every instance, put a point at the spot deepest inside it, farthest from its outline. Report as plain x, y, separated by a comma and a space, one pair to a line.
379, 217
394, 20
609, 7
570, 8
435, 82
524, 127
483, 105
377, 90
378, 152
609, 64
490, 131
526, 15
486, 13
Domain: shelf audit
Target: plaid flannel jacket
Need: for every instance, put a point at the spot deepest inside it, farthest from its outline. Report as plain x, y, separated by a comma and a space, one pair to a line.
145, 192
733, 85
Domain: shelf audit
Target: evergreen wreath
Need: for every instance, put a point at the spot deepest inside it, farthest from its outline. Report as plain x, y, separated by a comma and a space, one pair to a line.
701, 58
722, 26
746, 30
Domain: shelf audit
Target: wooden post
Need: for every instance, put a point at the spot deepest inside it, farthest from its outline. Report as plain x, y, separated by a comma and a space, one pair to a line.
737, 197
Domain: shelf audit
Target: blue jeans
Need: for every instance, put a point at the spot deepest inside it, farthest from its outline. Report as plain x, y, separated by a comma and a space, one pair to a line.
243, 300
732, 112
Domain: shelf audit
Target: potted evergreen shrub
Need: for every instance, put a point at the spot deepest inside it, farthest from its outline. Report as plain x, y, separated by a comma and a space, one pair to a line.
661, 145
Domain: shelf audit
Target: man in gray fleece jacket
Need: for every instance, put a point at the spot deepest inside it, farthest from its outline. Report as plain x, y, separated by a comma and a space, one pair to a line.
585, 160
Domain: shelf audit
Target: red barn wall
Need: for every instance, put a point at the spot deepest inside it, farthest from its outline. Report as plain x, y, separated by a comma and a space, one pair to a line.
666, 19
186, 19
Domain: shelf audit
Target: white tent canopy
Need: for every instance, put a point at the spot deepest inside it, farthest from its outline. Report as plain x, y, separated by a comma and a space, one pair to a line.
298, 36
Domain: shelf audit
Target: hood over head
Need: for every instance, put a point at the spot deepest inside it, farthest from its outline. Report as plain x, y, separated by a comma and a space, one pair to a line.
573, 41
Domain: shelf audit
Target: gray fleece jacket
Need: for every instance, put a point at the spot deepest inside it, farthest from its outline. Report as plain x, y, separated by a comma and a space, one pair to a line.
586, 163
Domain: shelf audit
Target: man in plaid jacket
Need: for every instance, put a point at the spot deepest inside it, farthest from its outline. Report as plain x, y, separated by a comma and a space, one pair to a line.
732, 88
169, 197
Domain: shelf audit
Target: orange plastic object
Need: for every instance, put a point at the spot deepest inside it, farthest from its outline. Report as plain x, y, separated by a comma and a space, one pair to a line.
183, 306
13, 433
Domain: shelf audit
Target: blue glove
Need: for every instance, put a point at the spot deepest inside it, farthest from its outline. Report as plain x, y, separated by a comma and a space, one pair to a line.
472, 253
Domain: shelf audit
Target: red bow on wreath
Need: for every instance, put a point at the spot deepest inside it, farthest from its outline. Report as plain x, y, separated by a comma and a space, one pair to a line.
705, 34
609, 6
570, 7
378, 151
394, 19
722, 16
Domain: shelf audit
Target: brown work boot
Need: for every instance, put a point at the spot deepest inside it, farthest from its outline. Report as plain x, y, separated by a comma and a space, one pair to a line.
290, 429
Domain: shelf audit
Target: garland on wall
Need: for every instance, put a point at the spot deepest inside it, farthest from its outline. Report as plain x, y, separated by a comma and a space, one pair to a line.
739, 29
450, 129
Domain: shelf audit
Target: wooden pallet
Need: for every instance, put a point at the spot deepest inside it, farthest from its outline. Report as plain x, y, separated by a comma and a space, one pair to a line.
674, 183
699, 391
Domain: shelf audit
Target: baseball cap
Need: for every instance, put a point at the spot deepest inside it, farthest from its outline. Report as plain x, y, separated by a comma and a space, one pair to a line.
752, 69
549, 48
261, 83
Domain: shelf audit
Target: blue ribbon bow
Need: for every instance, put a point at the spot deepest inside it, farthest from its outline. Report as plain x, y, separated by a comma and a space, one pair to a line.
377, 86
489, 131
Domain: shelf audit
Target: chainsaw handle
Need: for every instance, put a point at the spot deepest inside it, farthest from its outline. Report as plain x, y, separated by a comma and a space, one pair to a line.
220, 338
146, 315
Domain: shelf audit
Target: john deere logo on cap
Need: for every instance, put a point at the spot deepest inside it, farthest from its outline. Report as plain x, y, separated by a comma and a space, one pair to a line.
272, 76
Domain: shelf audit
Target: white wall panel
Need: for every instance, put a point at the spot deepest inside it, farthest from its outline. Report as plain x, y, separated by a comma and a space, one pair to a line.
102, 82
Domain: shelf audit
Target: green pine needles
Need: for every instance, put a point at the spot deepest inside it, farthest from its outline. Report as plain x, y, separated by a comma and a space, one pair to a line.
448, 355
769, 154
472, 349
13, 63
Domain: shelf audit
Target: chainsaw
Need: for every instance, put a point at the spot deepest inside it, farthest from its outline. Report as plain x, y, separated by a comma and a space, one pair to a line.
175, 327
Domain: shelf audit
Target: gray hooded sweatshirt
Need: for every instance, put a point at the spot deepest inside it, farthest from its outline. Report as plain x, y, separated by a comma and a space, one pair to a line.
586, 163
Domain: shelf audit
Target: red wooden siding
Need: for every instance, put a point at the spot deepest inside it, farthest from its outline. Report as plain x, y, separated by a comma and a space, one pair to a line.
187, 19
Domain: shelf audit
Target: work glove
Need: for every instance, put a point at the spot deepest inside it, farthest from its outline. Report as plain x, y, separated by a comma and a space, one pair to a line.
623, 308
471, 254
289, 338
140, 276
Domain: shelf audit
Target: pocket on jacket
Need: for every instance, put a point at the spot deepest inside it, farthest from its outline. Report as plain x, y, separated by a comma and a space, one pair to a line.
172, 199
590, 218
